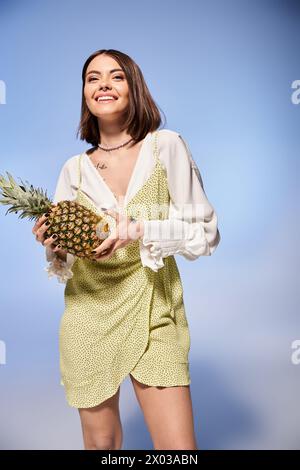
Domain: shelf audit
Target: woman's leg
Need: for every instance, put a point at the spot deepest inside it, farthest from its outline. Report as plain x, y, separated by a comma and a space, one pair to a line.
168, 414
101, 425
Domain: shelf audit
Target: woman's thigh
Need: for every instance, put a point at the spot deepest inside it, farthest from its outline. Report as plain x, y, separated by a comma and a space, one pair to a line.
101, 425
168, 414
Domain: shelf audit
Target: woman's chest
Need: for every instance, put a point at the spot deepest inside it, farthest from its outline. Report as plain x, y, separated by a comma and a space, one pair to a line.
116, 170
116, 174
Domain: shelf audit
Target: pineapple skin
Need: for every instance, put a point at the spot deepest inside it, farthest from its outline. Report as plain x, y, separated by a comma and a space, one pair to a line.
75, 227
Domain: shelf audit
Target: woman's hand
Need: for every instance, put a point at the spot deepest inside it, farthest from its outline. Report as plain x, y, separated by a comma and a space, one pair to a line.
39, 230
125, 232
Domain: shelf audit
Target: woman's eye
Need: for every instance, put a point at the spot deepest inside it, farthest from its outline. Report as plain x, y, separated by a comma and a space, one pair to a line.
94, 78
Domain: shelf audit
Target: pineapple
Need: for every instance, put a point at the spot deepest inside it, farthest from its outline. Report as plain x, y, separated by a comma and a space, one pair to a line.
79, 230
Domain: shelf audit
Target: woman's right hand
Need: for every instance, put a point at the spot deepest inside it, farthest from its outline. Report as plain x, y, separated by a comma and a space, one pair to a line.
39, 230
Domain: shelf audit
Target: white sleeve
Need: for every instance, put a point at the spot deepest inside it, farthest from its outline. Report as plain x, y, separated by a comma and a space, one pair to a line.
56, 266
191, 229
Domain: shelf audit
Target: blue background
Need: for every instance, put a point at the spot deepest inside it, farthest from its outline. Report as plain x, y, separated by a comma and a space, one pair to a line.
222, 72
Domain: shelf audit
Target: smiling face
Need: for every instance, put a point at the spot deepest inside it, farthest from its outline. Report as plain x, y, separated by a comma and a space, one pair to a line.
104, 76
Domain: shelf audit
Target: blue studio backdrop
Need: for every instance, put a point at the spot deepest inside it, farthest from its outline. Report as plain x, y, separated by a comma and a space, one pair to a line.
226, 75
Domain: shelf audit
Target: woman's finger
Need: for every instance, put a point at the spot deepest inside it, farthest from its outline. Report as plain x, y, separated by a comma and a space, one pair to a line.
105, 246
50, 240
39, 223
56, 247
107, 254
40, 232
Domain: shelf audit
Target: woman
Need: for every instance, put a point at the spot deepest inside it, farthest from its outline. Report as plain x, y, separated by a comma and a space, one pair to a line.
124, 310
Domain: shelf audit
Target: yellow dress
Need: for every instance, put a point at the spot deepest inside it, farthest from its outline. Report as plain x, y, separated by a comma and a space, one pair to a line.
121, 317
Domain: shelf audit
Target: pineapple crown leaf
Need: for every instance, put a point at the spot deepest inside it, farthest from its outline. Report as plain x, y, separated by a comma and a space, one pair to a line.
33, 202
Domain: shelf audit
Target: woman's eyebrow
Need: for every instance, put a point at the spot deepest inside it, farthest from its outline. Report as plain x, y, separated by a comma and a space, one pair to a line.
99, 73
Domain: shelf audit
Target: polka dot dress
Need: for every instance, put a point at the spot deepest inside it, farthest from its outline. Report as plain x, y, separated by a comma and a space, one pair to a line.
121, 317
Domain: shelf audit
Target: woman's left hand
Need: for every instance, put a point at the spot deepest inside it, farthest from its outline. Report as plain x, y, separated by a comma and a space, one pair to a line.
125, 232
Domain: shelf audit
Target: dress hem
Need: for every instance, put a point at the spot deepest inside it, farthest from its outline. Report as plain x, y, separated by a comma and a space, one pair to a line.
139, 378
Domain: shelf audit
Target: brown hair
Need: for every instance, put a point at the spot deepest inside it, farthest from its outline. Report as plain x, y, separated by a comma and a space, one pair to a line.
143, 115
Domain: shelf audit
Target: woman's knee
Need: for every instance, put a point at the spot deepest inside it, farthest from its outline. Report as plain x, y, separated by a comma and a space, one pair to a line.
98, 442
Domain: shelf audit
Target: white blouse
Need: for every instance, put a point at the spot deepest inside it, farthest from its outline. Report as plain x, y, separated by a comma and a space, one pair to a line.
192, 227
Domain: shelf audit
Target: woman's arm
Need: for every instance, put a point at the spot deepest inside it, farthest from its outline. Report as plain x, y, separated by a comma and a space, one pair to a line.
60, 263
191, 229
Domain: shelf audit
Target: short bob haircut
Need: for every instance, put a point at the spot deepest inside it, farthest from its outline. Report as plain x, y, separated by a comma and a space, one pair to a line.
142, 114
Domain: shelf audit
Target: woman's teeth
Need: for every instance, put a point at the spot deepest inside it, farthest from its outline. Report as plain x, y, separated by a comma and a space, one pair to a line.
105, 99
